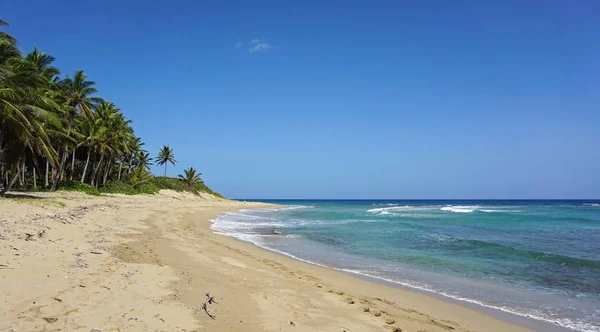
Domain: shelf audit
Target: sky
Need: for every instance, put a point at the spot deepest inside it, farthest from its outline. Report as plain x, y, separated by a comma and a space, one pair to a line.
346, 99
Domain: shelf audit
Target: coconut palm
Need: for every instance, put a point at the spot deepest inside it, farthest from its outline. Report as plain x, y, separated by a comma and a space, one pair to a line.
75, 94
143, 159
92, 131
113, 143
135, 146
5, 36
45, 118
165, 156
190, 176
139, 175
41, 62
78, 91
24, 110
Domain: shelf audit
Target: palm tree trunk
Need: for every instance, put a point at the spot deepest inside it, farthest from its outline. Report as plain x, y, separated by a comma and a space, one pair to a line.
165, 169
94, 175
15, 176
11, 183
73, 165
3, 165
120, 166
106, 173
87, 161
58, 174
2, 172
130, 164
35, 167
61, 167
47, 170
23, 177
21, 171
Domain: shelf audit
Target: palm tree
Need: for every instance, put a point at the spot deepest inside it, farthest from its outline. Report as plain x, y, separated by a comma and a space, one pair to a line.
5, 36
23, 112
91, 131
75, 94
165, 156
136, 147
143, 159
114, 140
139, 175
41, 63
45, 118
78, 91
190, 177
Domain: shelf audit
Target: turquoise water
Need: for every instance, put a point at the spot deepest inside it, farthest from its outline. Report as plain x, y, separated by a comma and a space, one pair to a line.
533, 258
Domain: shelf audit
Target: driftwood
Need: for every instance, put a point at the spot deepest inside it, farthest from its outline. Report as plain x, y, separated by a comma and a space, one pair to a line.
209, 300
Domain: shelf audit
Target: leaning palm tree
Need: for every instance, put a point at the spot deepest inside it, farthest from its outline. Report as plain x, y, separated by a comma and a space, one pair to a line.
190, 176
165, 156
23, 114
75, 95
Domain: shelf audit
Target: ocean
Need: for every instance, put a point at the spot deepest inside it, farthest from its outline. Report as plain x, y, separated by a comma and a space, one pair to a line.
534, 258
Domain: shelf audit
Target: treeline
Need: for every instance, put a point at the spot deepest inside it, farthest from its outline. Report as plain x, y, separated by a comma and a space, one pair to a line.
56, 132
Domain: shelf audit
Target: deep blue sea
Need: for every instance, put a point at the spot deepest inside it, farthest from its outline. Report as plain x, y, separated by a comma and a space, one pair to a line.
533, 258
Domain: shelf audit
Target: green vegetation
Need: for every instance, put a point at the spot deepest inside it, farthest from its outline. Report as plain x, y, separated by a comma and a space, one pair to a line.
166, 156
190, 177
34, 200
55, 133
81, 187
154, 185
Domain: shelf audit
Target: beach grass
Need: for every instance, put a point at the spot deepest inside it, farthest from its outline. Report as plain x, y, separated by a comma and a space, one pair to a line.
25, 199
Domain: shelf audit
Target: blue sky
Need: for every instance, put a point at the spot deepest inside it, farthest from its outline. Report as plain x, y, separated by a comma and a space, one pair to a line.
347, 99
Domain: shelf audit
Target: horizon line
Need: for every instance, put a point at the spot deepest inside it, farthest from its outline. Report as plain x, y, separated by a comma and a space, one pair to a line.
422, 199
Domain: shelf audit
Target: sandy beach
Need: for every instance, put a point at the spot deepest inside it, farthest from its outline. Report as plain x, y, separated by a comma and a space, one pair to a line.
73, 262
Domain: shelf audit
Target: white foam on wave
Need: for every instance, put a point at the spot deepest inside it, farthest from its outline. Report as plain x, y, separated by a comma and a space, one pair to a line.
473, 208
592, 204
394, 210
283, 208
403, 208
502, 211
384, 204
241, 224
459, 209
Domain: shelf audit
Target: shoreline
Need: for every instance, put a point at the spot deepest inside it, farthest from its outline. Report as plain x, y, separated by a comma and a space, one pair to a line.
76, 262
524, 321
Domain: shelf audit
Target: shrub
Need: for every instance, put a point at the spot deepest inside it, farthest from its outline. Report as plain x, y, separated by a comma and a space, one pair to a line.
80, 187
118, 187
162, 182
153, 185
147, 188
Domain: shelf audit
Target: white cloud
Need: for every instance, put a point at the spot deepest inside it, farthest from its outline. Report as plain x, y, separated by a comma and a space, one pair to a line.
254, 45
259, 47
